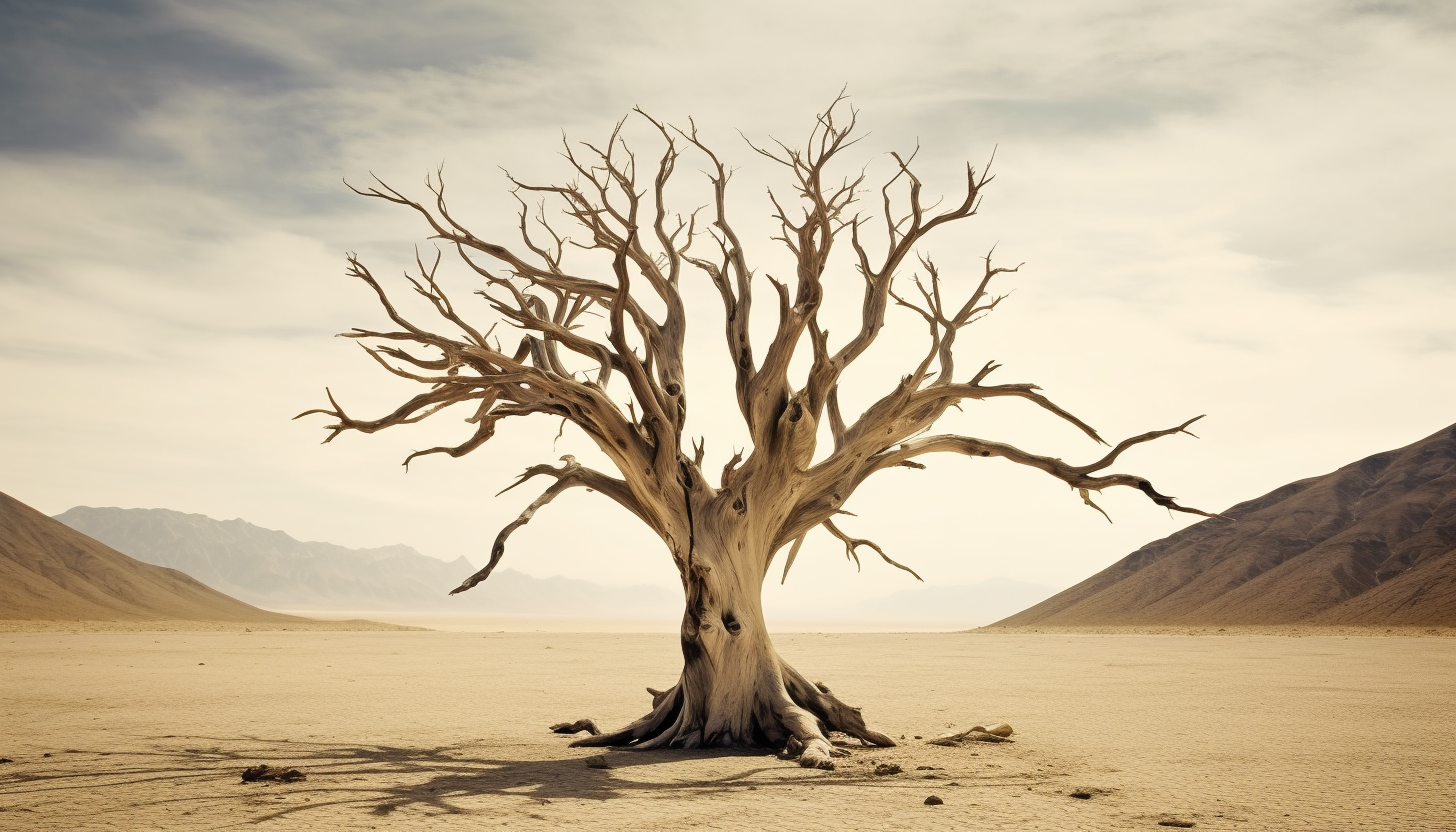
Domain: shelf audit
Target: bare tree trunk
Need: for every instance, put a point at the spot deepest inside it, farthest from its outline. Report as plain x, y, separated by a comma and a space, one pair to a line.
734, 689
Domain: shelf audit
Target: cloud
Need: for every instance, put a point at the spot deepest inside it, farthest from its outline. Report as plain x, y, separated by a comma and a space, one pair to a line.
76, 74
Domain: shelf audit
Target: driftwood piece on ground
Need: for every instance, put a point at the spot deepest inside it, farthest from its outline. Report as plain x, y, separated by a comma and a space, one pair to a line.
998, 732
577, 727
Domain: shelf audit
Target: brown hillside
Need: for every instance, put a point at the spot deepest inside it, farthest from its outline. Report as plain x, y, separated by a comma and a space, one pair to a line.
1372, 543
49, 571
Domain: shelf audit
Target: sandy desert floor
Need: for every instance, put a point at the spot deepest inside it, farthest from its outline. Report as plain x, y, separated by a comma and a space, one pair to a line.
447, 730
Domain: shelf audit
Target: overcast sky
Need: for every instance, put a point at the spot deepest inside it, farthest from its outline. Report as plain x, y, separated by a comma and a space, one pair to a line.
1238, 209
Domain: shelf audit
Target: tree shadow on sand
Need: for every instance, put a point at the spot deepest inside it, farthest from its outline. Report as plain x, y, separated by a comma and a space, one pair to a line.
381, 779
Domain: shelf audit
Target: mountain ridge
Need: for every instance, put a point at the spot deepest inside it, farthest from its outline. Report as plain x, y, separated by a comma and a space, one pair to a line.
270, 568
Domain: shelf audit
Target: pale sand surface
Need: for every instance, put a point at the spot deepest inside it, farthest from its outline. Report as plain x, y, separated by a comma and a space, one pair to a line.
440, 730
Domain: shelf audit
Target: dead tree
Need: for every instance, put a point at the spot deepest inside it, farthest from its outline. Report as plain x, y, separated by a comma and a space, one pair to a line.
577, 366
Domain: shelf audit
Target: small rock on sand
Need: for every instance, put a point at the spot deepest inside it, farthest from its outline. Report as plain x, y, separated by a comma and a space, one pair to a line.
597, 761
258, 773
886, 768
1180, 824
934, 801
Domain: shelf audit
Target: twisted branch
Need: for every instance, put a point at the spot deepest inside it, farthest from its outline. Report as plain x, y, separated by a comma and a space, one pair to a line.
570, 474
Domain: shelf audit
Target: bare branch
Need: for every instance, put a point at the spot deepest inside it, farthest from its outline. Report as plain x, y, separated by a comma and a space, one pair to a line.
1078, 477
1137, 440
793, 555
852, 543
570, 474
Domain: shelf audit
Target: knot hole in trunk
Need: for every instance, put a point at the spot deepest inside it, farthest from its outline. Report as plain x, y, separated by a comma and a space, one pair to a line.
730, 623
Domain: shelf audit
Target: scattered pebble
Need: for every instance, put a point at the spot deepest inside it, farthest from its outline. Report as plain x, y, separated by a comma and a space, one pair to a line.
1082, 795
934, 801
597, 761
886, 768
927, 768
6, 760
1181, 824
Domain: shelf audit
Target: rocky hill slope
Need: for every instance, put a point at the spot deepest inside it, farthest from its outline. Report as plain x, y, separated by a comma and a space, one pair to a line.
51, 572
1373, 543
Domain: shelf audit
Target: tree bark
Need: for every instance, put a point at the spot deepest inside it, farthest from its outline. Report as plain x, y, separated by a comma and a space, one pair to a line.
735, 690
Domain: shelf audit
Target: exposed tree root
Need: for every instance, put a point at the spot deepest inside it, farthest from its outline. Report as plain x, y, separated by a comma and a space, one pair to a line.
795, 715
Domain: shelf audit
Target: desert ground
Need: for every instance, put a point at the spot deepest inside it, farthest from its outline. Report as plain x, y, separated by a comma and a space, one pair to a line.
1334, 730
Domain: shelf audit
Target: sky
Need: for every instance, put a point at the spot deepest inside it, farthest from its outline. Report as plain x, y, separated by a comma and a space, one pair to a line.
1240, 209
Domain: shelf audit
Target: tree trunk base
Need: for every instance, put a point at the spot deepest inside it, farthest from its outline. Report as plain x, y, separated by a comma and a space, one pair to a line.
790, 713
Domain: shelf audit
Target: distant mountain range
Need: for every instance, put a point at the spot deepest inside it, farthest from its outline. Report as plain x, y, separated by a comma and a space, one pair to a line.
272, 569
1371, 543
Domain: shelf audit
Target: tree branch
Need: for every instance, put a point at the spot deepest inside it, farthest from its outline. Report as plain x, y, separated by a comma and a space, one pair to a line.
569, 475
852, 543
1078, 477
